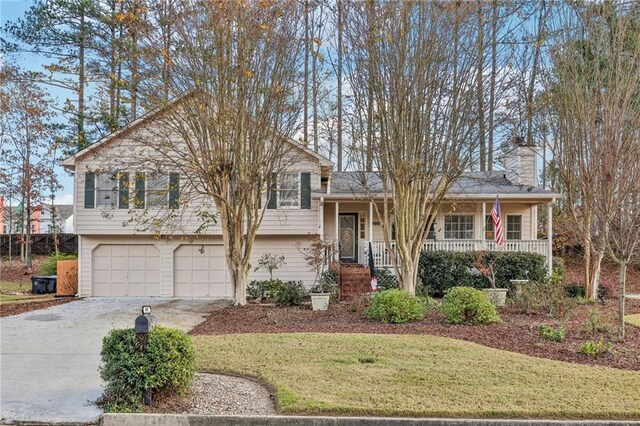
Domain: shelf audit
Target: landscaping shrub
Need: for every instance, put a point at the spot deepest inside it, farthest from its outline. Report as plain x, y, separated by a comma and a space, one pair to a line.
165, 365
50, 266
386, 279
553, 334
559, 269
439, 271
605, 290
526, 297
595, 349
468, 305
290, 293
395, 306
554, 300
596, 323
265, 289
574, 290
430, 304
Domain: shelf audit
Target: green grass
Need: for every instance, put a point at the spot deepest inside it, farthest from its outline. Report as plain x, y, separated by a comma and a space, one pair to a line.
392, 375
6, 288
633, 320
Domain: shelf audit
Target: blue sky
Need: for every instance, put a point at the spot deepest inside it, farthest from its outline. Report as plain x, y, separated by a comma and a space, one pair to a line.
9, 11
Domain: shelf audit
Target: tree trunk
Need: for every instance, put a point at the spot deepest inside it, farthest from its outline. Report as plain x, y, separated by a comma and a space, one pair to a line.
586, 255
305, 121
621, 301
492, 93
479, 78
595, 274
339, 147
82, 139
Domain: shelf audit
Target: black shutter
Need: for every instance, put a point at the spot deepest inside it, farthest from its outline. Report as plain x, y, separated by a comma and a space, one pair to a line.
139, 197
174, 190
89, 190
305, 190
123, 190
272, 192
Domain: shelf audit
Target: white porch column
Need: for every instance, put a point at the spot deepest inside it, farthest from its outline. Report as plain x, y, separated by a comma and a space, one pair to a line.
533, 220
337, 222
550, 237
484, 221
321, 218
370, 221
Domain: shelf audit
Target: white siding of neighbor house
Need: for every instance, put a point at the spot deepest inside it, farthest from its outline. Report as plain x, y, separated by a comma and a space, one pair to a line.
114, 221
526, 210
295, 267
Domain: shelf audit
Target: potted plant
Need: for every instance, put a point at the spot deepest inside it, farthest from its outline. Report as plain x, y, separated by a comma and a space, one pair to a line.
318, 255
497, 296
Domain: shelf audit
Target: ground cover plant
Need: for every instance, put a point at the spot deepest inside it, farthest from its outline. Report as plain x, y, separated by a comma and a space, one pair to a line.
409, 375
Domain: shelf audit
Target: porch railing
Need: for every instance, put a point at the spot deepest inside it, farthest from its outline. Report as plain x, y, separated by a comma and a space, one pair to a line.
382, 257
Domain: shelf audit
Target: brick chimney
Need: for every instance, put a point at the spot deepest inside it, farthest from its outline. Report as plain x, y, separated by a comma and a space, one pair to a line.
519, 162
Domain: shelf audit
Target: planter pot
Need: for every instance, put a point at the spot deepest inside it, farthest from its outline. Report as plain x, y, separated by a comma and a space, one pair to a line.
497, 296
320, 301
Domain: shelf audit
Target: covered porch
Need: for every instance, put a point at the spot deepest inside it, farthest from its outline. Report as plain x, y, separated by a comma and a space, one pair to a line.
462, 225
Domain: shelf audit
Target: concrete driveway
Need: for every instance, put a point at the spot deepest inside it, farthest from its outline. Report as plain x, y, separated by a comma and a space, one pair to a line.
49, 358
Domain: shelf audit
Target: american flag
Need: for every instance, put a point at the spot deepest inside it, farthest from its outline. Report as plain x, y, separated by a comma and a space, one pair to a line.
497, 222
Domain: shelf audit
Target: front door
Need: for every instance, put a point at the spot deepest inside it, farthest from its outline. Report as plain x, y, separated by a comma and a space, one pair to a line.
348, 237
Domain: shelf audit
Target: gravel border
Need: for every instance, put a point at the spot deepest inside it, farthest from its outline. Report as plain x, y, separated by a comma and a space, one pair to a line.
220, 394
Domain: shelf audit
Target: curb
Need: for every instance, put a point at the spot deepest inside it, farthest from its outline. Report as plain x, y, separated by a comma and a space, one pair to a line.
202, 420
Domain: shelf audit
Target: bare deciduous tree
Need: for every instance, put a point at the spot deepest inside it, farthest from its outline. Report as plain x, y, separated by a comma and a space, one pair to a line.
593, 89
234, 72
421, 86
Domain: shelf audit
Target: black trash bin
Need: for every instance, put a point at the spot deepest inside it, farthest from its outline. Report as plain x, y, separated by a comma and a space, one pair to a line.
41, 284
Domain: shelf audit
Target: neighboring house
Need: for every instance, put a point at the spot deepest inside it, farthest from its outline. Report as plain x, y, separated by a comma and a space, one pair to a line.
117, 260
42, 219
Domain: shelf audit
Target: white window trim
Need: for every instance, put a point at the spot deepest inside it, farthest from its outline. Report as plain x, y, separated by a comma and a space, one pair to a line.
506, 234
279, 198
444, 227
148, 205
97, 189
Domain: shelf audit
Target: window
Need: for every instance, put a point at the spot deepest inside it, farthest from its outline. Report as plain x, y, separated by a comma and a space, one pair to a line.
362, 227
432, 231
157, 189
289, 190
5, 229
106, 190
489, 230
514, 227
458, 227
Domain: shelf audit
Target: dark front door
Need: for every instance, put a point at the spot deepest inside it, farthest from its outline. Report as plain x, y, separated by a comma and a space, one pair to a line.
347, 230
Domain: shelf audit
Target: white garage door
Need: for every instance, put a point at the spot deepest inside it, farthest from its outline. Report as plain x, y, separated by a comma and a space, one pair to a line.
126, 270
200, 271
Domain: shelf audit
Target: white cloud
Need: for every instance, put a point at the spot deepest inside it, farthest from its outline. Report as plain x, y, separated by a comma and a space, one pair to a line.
64, 199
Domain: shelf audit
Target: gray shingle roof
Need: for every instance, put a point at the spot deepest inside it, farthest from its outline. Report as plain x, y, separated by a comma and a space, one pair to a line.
469, 183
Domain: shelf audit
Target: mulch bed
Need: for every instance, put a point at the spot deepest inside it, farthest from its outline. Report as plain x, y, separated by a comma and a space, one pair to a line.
517, 333
20, 308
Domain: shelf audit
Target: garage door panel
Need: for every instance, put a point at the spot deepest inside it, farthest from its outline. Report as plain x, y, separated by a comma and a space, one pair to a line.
126, 270
200, 271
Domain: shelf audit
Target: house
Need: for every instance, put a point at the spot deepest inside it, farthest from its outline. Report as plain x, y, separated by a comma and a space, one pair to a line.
44, 218
117, 259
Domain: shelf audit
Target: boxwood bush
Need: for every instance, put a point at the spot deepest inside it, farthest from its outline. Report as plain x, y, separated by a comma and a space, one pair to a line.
166, 364
441, 270
468, 305
395, 306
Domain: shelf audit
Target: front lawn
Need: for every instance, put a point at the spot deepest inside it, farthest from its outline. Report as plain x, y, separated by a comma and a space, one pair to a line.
633, 320
16, 292
411, 375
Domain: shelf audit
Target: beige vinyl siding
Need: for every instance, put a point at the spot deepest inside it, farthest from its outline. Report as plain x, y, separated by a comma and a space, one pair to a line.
115, 221
295, 268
